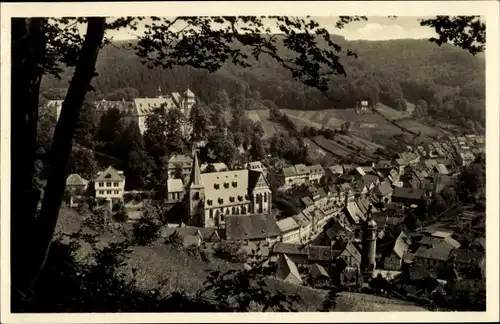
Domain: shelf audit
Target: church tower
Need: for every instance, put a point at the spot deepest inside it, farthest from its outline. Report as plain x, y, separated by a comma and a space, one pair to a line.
196, 198
369, 248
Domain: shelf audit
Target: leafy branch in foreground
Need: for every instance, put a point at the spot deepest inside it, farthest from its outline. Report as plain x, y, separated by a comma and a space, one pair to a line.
209, 42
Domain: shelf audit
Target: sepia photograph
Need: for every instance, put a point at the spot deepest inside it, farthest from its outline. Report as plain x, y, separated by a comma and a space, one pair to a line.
233, 163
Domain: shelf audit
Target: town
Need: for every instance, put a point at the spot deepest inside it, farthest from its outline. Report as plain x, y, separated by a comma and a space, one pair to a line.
358, 227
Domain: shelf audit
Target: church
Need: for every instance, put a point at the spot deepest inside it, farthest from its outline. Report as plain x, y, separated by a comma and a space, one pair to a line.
215, 195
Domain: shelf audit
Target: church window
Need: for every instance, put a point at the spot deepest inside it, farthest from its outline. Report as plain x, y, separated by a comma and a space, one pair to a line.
226, 185
231, 199
235, 184
216, 186
209, 202
211, 212
240, 198
243, 210
196, 196
265, 197
233, 211
221, 201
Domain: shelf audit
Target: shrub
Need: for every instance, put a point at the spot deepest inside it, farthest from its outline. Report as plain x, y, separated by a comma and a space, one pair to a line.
230, 251
147, 229
175, 240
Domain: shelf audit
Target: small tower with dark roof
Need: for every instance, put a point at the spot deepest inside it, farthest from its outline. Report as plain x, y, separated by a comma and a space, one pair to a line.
368, 252
196, 195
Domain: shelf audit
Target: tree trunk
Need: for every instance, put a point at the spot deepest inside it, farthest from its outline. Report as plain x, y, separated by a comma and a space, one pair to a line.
28, 54
63, 140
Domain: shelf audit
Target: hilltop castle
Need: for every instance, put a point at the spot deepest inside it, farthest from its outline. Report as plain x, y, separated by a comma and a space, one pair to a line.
212, 196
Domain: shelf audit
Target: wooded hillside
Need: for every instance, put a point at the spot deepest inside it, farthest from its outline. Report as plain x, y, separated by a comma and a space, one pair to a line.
443, 82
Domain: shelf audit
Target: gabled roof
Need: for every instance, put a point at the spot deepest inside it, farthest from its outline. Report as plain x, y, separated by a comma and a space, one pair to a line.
179, 158
307, 201
301, 169
317, 271
286, 268
110, 174
175, 185
384, 188
302, 219
336, 169
76, 180
401, 244
249, 227
287, 224
467, 257
257, 179
354, 212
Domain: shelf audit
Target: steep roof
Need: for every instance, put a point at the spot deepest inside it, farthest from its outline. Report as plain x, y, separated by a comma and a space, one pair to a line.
317, 271
401, 244
354, 212
287, 224
249, 227
257, 179
175, 185
226, 187
110, 174
146, 106
384, 188
195, 173
439, 252
75, 179
286, 268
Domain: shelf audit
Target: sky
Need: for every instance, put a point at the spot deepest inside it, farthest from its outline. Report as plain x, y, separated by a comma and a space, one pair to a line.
376, 28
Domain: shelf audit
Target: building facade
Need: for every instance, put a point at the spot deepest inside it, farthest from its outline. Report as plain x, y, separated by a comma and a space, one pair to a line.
110, 184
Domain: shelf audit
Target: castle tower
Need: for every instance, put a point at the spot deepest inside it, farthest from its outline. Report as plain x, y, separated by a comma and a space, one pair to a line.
369, 248
196, 195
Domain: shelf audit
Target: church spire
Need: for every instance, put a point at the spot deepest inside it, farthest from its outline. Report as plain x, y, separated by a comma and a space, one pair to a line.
195, 172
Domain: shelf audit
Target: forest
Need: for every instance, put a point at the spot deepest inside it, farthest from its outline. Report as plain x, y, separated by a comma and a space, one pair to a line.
444, 82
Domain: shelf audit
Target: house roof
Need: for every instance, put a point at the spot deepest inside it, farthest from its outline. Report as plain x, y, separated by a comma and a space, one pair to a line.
468, 257
345, 187
384, 188
317, 271
439, 252
218, 166
360, 171
75, 179
307, 201
284, 262
301, 219
146, 106
408, 193
401, 162
110, 174
289, 171
336, 169
316, 169
354, 212
175, 185
248, 227
320, 253
401, 244
179, 158
441, 168
287, 224
288, 248
347, 246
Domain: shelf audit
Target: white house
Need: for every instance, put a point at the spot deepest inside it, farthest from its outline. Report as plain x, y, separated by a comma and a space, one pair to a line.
290, 230
110, 183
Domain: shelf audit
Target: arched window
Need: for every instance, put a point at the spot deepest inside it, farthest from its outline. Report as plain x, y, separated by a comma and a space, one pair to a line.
243, 210
233, 211
211, 213
265, 196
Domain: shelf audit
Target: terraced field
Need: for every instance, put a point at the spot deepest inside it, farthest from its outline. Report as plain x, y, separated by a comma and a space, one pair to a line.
262, 116
415, 126
392, 113
369, 124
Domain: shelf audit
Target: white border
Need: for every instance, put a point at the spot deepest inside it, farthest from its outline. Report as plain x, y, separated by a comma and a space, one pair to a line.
488, 9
